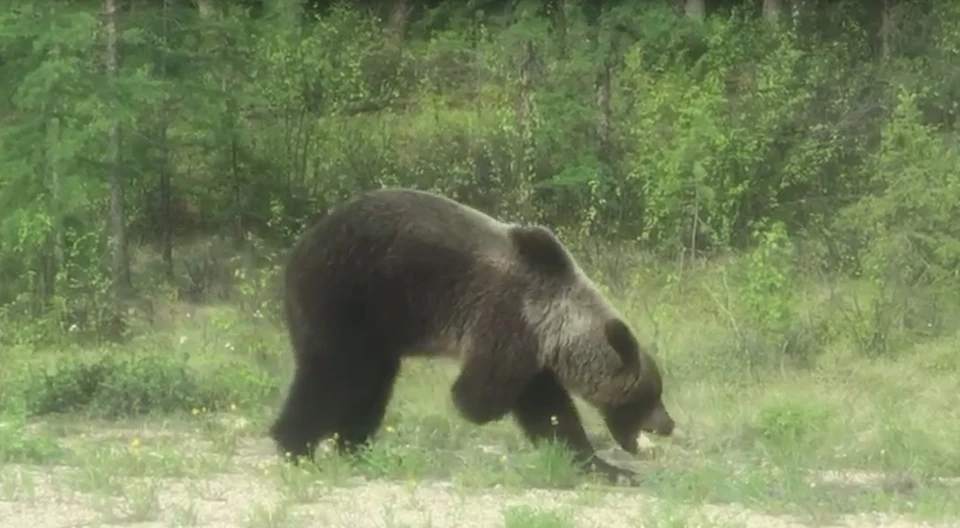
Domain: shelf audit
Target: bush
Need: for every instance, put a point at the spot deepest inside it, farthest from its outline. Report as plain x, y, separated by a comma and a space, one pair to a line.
114, 383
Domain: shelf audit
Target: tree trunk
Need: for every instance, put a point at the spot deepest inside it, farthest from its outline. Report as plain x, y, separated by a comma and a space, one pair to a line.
398, 18
239, 232
117, 229
50, 255
603, 91
696, 9
56, 250
557, 10
526, 127
886, 28
206, 8
166, 212
771, 10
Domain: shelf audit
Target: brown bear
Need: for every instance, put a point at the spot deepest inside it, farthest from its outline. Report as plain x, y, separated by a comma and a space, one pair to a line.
398, 272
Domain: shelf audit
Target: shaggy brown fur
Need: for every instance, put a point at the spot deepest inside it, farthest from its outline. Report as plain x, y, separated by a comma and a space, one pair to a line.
398, 272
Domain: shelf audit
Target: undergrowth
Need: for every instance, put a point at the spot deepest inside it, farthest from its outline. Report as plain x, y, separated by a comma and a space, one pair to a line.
766, 373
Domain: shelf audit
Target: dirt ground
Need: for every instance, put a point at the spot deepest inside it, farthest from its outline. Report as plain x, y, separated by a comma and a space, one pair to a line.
245, 495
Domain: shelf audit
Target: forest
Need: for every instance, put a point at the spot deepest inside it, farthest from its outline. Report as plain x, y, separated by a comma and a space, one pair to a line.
769, 189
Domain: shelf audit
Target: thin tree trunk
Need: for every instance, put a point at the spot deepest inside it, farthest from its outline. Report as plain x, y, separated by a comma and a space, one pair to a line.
239, 232
398, 19
603, 91
604, 127
525, 172
696, 9
166, 212
51, 255
558, 14
886, 28
120, 260
56, 233
205, 8
771, 10
695, 224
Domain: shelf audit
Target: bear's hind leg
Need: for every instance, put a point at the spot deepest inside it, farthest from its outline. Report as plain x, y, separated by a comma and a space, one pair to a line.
372, 387
307, 416
545, 410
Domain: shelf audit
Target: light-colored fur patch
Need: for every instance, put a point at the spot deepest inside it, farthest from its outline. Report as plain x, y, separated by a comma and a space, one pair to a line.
559, 321
570, 328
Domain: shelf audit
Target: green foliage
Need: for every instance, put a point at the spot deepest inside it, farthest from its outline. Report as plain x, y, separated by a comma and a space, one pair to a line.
526, 516
904, 237
910, 224
789, 425
626, 128
112, 384
20, 445
768, 288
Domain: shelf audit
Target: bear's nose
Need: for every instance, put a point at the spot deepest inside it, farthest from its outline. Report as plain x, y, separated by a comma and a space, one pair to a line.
666, 427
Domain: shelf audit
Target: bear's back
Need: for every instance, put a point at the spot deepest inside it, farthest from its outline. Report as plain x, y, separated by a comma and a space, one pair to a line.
446, 263
411, 220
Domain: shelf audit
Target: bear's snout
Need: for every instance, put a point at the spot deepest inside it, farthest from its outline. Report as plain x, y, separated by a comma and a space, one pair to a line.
659, 421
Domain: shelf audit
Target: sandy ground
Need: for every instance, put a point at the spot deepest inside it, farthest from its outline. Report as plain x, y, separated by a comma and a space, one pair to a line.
244, 496
232, 500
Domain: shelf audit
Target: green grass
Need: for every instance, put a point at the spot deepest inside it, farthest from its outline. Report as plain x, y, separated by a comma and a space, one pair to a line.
528, 517
173, 424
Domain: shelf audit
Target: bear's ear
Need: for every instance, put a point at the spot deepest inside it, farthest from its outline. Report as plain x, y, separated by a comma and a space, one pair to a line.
623, 343
541, 250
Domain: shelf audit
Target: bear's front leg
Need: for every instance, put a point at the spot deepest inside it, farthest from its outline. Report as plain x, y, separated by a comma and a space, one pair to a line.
490, 383
545, 410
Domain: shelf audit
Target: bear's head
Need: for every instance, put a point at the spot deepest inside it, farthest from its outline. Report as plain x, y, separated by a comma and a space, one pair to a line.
642, 408
585, 341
